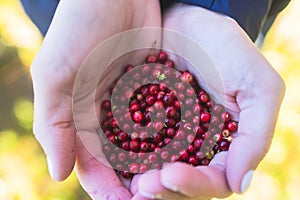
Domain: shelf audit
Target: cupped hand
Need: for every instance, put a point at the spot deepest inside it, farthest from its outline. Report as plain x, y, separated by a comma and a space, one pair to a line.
253, 93
78, 26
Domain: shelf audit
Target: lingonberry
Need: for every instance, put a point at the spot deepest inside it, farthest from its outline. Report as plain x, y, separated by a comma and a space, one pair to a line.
187, 77
162, 56
151, 59
232, 126
154, 119
138, 116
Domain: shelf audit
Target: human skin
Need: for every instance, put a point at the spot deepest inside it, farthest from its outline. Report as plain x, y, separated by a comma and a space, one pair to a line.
253, 92
77, 27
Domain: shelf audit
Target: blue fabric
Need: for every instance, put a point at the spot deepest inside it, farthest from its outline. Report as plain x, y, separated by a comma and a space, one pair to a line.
250, 14
41, 12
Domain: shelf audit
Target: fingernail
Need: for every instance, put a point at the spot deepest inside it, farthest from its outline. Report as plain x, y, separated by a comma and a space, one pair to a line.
151, 196
170, 186
50, 167
246, 181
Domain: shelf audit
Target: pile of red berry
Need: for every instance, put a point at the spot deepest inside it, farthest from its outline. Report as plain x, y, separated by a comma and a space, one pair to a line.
157, 114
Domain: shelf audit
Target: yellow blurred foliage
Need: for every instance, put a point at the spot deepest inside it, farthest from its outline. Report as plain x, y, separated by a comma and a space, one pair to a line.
23, 170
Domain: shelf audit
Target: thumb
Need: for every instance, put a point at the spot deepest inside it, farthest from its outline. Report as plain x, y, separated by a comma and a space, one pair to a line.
259, 110
54, 128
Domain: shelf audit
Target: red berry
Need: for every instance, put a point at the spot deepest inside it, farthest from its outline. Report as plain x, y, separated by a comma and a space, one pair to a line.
205, 117
138, 116
106, 104
232, 126
151, 59
187, 77
126, 174
128, 68
225, 116
143, 168
169, 63
162, 56
134, 145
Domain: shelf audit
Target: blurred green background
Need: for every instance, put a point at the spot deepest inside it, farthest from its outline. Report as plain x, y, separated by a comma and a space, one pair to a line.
23, 170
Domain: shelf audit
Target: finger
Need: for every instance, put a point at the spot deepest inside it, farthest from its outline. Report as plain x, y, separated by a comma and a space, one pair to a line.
134, 184
135, 190
150, 186
203, 181
98, 179
259, 102
54, 128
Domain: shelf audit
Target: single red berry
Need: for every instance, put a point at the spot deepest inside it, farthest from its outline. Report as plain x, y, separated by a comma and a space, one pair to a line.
105, 105
164, 155
232, 126
187, 77
125, 145
134, 107
171, 111
174, 158
153, 89
151, 59
191, 149
150, 100
126, 174
144, 146
193, 160
138, 116
184, 155
158, 125
224, 145
226, 133
143, 168
225, 116
108, 114
170, 132
122, 136
160, 95
204, 98
112, 138
205, 117
122, 156
133, 168
128, 68
198, 143
169, 63
152, 158
162, 56
134, 145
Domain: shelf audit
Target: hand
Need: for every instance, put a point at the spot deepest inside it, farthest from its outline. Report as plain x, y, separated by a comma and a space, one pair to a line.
253, 92
78, 26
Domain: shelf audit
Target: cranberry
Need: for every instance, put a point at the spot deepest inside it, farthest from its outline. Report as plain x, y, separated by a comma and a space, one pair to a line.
134, 145
162, 56
128, 68
187, 77
205, 117
126, 174
194, 134
151, 59
138, 116
169, 63
232, 126
225, 116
